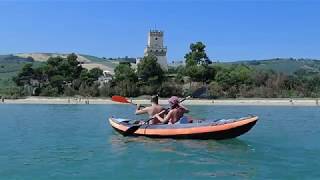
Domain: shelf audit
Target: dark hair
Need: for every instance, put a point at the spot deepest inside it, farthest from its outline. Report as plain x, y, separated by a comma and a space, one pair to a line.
154, 99
175, 106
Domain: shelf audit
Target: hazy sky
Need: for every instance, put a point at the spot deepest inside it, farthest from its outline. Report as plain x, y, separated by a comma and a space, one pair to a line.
232, 30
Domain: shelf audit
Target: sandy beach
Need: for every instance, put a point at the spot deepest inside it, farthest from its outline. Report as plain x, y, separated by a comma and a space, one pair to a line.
236, 102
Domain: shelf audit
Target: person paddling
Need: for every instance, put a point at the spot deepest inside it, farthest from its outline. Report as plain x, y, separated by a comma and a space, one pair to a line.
155, 108
175, 113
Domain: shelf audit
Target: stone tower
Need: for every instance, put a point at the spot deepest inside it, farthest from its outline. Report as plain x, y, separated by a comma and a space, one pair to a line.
155, 47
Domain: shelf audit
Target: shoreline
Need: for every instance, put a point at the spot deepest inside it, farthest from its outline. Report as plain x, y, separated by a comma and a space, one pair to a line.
229, 102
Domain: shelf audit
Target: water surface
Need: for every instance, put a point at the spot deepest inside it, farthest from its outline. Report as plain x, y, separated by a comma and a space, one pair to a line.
75, 142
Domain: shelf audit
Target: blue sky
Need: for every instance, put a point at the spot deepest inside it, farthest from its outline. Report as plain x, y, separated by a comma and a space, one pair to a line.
232, 30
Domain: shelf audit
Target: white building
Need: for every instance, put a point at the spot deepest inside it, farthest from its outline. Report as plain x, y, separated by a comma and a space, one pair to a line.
155, 47
177, 63
105, 78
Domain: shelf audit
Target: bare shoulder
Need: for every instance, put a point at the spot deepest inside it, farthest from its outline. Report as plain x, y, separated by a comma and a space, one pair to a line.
170, 112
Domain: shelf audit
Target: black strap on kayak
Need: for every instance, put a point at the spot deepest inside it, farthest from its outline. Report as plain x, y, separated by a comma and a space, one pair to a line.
145, 129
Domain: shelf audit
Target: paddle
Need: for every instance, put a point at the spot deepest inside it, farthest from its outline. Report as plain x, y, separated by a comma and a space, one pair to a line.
122, 99
134, 128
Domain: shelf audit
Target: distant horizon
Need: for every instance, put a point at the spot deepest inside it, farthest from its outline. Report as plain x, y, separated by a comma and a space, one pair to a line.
232, 31
169, 62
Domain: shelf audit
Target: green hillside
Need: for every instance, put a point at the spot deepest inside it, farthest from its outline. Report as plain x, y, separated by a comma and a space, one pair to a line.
10, 65
111, 64
286, 66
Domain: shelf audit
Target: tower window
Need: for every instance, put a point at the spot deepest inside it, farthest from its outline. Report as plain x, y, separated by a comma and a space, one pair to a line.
156, 38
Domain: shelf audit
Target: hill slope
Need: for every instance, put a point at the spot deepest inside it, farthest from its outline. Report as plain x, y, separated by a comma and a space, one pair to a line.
284, 65
87, 61
11, 64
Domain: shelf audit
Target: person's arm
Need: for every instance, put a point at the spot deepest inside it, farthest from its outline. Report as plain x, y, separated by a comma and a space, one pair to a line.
186, 110
164, 111
165, 119
141, 111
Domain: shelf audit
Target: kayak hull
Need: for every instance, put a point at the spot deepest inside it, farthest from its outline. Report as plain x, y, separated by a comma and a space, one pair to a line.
207, 129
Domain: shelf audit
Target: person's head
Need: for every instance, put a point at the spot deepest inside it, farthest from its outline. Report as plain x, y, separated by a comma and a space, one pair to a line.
174, 102
154, 99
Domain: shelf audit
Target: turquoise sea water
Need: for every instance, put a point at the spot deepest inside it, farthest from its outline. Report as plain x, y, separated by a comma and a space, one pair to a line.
75, 142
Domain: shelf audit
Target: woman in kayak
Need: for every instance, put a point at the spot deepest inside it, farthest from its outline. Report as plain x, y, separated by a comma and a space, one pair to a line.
175, 113
151, 110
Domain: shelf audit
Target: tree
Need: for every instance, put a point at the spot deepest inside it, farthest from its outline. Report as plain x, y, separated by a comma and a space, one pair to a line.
197, 63
149, 71
72, 59
126, 88
106, 90
89, 77
62, 75
49, 91
194, 72
215, 90
54, 61
124, 72
240, 74
84, 75
95, 73
223, 78
27, 70
197, 55
170, 88
125, 80
57, 81
25, 75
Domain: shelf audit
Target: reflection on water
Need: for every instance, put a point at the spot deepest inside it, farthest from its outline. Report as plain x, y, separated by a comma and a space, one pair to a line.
208, 156
118, 141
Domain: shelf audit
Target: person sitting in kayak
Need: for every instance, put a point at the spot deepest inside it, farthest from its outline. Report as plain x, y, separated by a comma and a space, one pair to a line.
151, 110
175, 113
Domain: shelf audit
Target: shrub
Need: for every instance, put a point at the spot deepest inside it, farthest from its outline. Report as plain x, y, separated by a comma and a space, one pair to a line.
169, 89
215, 90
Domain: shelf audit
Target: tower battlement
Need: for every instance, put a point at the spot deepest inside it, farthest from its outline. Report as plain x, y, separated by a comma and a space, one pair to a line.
156, 33
155, 47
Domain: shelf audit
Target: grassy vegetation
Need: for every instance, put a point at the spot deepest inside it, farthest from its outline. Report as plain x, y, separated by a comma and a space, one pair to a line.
6, 82
57, 77
100, 61
279, 77
284, 65
10, 65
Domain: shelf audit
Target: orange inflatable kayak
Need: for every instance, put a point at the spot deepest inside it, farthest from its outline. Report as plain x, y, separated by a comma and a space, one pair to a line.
198, 129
